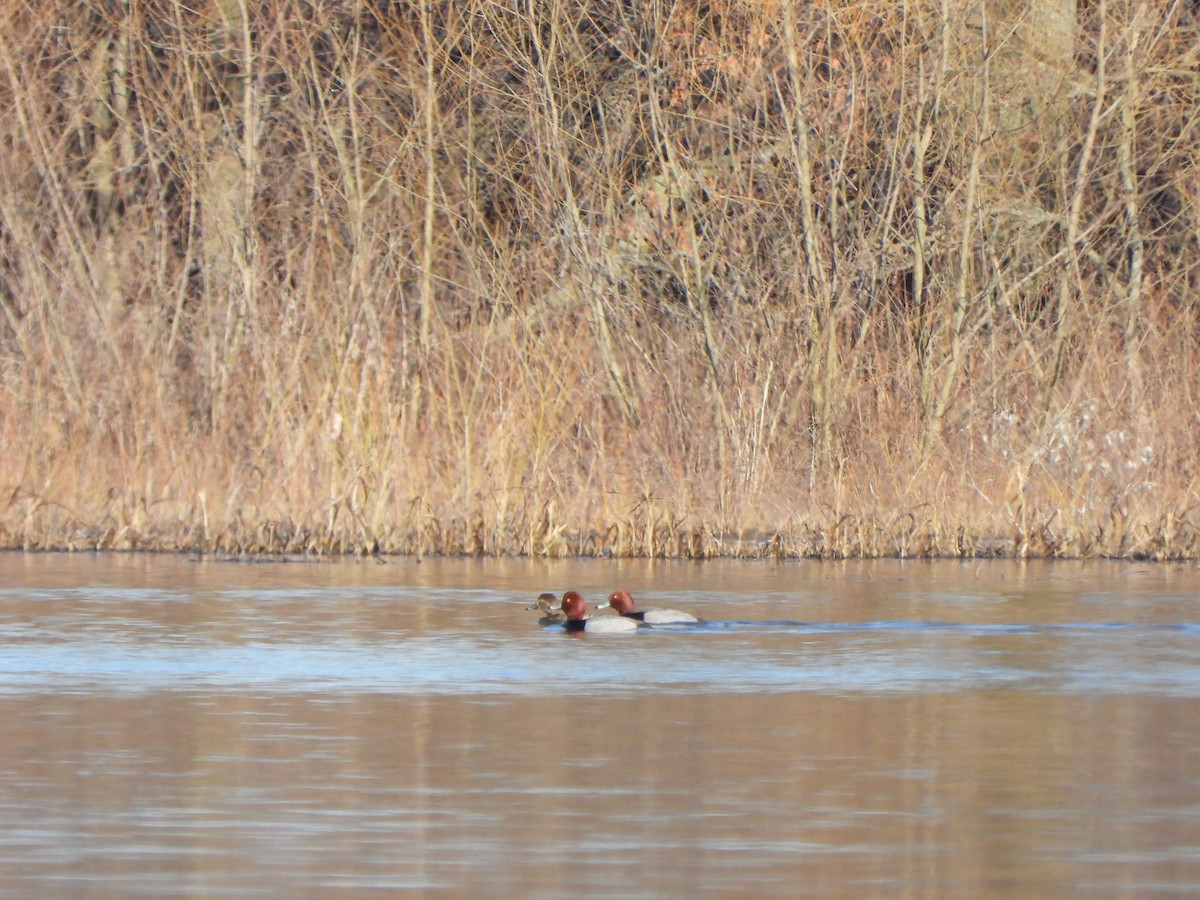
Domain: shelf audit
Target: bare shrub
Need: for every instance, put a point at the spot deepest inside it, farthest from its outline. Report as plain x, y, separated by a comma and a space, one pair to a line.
828, 279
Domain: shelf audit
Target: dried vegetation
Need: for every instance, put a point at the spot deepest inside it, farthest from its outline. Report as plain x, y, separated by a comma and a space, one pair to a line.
840, 278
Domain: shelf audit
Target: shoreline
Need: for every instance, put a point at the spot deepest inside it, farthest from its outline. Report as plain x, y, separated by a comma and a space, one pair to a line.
777, 547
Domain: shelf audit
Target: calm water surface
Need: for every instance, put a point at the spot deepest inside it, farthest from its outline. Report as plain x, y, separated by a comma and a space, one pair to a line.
884, 729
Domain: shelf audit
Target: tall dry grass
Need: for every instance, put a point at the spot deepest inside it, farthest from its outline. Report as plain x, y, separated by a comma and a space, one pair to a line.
557, 277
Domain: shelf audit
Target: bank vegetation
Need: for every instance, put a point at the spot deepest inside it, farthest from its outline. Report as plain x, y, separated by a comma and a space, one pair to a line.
631, 277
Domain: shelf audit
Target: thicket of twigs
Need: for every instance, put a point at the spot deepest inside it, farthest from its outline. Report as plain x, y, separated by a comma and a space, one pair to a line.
566, 276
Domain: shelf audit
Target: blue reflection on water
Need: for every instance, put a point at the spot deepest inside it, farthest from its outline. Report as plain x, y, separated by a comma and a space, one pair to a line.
716, 657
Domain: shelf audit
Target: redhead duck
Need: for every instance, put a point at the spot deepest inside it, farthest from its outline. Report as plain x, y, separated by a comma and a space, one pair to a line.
622, 602
577, 619
551, 614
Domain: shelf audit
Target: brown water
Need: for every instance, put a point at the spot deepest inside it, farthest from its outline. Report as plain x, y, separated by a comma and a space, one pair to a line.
885, 729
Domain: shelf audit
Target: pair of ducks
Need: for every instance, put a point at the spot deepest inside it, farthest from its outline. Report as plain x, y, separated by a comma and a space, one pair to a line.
574, 609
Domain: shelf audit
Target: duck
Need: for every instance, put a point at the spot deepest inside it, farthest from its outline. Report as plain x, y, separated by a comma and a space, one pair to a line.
575, 608
622, 602
551, 614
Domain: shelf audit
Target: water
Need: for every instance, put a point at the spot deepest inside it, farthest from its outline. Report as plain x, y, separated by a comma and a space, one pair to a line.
197, 729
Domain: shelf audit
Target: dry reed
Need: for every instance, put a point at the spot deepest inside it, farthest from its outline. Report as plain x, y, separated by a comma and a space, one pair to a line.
660, 278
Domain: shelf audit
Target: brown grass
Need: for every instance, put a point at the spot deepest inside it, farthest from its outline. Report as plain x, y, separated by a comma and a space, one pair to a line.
829, 279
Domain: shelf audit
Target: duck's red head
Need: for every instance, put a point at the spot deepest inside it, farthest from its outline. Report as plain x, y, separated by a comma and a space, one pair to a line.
573, 605
621, 601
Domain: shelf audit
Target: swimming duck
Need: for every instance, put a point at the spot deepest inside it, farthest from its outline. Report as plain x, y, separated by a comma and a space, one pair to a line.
551, 614
623, 603
577, 619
